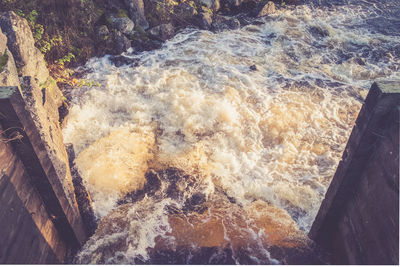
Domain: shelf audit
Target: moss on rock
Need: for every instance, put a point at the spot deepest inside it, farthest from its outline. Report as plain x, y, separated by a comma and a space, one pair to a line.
3, 60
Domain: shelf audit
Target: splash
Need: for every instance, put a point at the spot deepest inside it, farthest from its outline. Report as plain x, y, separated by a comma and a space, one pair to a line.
115, 165
259, 146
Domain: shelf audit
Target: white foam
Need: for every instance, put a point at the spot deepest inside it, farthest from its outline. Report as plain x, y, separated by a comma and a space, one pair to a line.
274, 134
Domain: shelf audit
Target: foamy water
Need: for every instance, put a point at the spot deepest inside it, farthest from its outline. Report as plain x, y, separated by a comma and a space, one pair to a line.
265, 142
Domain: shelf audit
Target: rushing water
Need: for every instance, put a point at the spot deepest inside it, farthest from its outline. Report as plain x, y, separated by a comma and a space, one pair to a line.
192, 155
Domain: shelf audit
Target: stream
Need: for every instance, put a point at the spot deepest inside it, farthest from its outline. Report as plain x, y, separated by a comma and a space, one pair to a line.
219, 147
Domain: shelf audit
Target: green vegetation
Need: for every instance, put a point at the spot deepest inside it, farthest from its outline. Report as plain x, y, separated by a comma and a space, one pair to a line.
207, 10
122, 13
3, 60
64, 30
164, 10
49, 84
66, 59
45, 46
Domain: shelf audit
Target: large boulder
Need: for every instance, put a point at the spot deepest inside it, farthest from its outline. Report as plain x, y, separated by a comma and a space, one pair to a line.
28, 59
268, 9
186, 12
221, 23
124, 24
103, 33
163, 31
205, 21
136, 13
122, 42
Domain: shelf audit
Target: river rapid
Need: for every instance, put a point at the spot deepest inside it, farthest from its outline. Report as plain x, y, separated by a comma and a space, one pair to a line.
193, 155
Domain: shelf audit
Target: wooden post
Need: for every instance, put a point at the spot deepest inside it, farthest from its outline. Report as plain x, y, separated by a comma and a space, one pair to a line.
358, 220
19, 128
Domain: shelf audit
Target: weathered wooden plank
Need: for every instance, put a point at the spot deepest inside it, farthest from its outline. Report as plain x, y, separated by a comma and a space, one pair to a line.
359, 219
22, 237
31, 150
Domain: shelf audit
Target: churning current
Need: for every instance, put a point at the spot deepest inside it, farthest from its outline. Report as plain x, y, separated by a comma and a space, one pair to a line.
193, 155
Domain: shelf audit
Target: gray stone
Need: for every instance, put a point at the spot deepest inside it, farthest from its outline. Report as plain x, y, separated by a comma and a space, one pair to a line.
184, 11
163, 31
122, 42
82, 195
103, 32
28, 59
211, 4
3, 43
8, 74
233, 23
124, 25
221, 23
206, 21
136, 13
268, 9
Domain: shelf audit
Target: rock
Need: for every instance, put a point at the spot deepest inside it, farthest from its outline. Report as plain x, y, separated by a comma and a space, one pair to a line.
4, 53
222, 229
318, 32
185, 12
8, 72
103, 33
28, 59
122, 42
269, 8
123, 60
233, 23
253, 67
124, 24
206, 21
3, 43
83, 198
141, 42
221, 23
195, 203
293, 2
112, 5
136, 13
233, 3
155, 31
152, 185
43, 110
163, 31
47, 91
211, 4
245, 19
